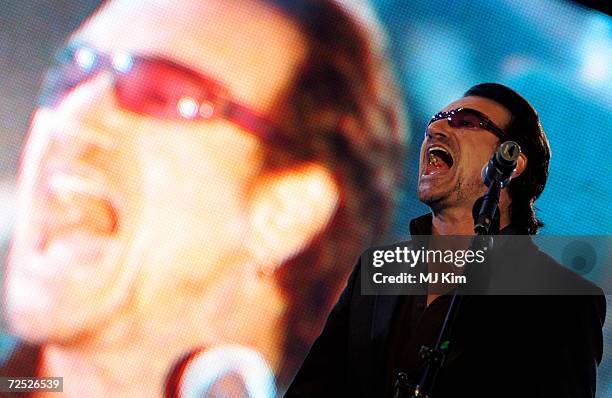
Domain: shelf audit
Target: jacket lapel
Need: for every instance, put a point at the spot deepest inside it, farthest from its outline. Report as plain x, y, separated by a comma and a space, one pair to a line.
384, 306
383, 312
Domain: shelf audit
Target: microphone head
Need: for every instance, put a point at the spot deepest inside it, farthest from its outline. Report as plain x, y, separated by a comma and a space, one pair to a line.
502, 164
226, 370
508, 153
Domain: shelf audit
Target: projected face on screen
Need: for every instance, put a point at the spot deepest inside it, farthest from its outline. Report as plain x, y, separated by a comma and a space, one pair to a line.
189, 178
124, 214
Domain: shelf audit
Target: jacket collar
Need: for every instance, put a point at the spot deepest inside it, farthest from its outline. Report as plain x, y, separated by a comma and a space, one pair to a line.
422, 226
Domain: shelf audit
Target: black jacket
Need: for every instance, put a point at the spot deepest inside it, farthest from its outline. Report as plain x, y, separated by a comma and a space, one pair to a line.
505, 346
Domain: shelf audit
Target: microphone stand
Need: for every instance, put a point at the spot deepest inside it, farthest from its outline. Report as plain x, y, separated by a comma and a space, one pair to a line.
434, 357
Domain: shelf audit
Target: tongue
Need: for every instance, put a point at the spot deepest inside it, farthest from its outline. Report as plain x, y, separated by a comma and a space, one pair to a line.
70, 212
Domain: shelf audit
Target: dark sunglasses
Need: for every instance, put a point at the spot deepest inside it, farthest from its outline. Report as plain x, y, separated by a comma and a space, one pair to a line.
468, 118
153, 86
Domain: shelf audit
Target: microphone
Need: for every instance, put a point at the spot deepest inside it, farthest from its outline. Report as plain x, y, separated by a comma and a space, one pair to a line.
496, 174
225, 371
503, 162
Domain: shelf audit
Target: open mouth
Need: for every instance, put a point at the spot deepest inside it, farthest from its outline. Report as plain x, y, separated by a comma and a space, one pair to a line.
76, 205
438, 159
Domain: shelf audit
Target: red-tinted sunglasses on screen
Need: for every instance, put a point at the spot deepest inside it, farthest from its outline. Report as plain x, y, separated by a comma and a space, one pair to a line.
153, 86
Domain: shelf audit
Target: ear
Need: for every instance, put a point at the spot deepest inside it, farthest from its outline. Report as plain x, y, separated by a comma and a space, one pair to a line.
521, 164
287, 210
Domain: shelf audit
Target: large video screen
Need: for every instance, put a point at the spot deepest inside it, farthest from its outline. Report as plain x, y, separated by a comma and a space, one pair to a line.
186, 187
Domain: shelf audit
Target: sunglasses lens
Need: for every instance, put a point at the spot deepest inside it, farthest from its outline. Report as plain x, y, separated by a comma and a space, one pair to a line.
464, 119
157, 89
146, 86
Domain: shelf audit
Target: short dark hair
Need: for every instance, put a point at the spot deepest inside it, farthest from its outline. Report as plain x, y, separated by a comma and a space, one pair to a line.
524, 128
343, 111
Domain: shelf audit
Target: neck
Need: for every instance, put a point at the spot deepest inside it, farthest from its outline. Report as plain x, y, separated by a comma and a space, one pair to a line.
92, 374
138, 363
133, 365
459, 220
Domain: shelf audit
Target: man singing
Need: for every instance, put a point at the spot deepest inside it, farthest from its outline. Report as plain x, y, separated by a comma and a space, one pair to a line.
501, 346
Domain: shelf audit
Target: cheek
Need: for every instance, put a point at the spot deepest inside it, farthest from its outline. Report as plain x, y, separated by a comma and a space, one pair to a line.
476, 155
189, 197
421, 157
193, 204
36, 144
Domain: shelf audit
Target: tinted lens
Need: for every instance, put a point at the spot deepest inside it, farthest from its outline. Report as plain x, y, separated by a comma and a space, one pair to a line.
464, 119
158, 89
148, 86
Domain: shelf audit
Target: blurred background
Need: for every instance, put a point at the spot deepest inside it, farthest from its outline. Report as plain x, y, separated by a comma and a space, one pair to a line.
557, 53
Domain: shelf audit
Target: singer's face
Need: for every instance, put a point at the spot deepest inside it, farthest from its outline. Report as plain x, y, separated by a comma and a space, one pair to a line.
452, 158
119, 212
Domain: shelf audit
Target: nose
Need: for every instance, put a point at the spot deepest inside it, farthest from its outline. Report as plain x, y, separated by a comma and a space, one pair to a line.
438, 130
85, 121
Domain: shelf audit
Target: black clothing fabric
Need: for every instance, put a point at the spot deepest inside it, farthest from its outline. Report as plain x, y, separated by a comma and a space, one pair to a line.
502, 346
415, 324
23, 362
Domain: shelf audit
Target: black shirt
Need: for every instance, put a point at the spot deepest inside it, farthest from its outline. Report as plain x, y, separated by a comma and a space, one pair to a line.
415, 325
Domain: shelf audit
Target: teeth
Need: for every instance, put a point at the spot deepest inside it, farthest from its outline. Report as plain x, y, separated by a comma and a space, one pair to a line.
438, 148
432, 159
77, 203
68, 185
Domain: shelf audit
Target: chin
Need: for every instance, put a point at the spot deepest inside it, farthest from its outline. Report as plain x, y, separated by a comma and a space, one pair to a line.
57, 305
39, 319
431, 194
